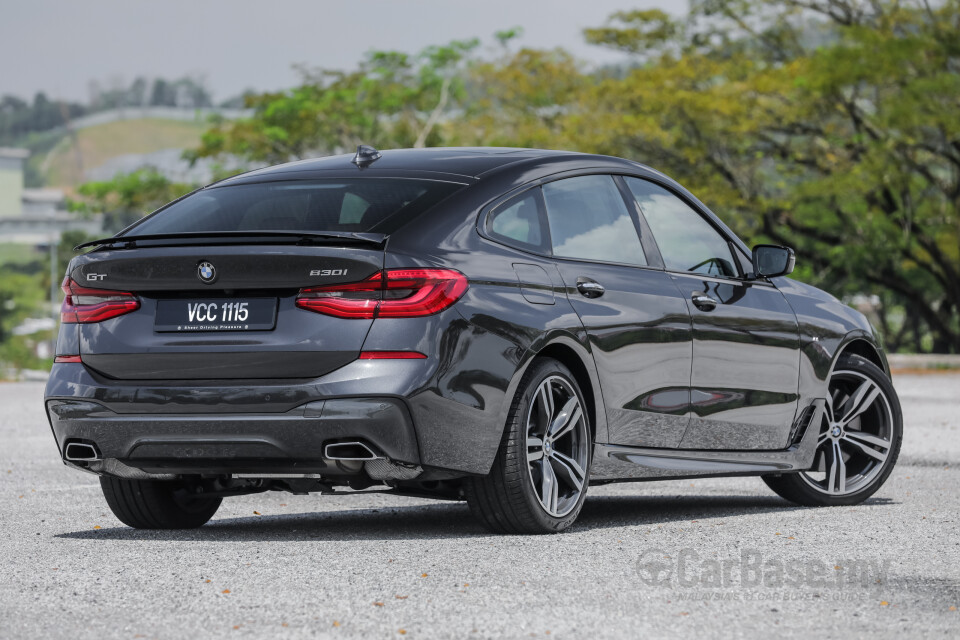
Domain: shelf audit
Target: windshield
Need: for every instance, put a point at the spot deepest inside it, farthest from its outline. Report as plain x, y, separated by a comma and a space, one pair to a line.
379, 205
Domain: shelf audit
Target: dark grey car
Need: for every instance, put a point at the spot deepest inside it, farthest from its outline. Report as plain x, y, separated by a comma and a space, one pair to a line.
504, 326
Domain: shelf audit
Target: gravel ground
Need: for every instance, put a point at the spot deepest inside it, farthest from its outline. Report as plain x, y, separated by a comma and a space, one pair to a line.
718, 557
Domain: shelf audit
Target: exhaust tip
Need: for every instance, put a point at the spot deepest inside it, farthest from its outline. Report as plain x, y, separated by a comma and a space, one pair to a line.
349, 451
80, 452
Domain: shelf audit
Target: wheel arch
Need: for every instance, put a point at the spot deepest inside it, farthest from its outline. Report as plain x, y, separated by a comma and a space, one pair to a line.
568, 357
859, 345
577, 357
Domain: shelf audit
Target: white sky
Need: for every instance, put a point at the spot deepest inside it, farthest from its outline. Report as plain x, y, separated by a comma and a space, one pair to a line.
60, 46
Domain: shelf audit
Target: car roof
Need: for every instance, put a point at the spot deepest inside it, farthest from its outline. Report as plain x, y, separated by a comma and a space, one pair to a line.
464, 162
466, 165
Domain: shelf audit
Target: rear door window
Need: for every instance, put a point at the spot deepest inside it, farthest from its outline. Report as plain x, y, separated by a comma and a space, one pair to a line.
360, 205
589, 220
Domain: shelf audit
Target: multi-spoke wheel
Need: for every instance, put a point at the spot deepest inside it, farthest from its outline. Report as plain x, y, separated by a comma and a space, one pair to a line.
858, 442
557, 446
539, 479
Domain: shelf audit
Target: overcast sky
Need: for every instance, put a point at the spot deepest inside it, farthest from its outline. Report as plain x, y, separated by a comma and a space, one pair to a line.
59, 47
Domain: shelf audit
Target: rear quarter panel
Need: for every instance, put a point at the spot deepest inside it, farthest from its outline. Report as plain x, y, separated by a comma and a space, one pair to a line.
485, 351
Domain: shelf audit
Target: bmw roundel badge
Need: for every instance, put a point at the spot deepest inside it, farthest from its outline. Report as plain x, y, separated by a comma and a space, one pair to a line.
206, 272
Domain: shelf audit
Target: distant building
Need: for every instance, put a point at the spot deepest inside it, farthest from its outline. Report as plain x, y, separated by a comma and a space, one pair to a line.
33, 216
11, 180
42, 202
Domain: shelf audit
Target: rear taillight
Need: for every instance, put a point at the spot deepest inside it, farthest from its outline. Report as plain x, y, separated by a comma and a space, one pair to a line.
82, 305
349, 300
394, 293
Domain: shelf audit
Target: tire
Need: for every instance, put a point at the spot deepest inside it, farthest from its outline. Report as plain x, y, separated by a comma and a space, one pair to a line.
516, 496
876, 431
153, 504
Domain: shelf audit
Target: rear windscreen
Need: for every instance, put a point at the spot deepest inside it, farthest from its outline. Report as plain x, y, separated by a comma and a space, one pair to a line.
379, 205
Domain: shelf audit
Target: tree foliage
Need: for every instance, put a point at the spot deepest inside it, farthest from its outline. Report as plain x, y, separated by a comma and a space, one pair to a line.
391, 100
518, 99
19, 118
127, 197
830, 126
635, 32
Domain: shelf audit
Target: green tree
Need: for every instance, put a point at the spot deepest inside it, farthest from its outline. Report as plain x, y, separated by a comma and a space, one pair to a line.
20, 297
520, 99
831, 126
391, 100
127, 197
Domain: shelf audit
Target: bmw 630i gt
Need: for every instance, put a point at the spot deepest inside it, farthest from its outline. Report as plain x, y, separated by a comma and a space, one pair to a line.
504, 326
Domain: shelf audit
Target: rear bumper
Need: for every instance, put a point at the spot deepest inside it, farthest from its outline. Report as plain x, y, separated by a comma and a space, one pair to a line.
289, 442
451, 405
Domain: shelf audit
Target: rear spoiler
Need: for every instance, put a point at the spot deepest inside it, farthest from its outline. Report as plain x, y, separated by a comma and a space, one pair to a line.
130, 242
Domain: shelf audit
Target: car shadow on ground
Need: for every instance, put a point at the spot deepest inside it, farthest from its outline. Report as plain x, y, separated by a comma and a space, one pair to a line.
452, 520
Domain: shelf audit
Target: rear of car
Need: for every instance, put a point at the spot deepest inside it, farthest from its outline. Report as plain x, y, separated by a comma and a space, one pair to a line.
224, 336
502, 326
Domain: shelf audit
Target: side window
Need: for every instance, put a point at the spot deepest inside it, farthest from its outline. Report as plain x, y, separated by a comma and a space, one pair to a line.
588, 219
687, 242
518, 223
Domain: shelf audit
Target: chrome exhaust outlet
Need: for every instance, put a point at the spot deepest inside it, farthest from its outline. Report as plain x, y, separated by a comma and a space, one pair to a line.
80, 452
349, 451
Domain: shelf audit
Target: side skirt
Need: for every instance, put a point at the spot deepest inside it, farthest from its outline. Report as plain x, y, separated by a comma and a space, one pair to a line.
616, 462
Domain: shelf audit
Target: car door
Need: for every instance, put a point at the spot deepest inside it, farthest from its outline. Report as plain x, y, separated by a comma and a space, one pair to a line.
746, 351
637, 323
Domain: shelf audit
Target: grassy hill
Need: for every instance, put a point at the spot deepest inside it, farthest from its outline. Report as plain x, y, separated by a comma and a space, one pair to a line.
100, 143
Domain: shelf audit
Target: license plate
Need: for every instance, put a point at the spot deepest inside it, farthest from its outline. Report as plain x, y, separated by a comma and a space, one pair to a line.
237, 314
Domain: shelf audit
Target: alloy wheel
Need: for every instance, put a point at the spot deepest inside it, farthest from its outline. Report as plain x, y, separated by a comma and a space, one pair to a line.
855, 437
557, 446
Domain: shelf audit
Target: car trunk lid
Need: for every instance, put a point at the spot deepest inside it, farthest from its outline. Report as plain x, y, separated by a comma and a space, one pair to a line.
222, 312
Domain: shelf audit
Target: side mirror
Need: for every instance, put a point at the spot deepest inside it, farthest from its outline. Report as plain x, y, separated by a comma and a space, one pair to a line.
770, 261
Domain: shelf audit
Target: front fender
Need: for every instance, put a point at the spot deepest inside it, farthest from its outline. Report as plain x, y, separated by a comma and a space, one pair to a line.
827, 328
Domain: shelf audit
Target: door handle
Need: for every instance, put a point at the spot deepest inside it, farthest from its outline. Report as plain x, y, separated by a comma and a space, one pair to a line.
589, 288
704, 302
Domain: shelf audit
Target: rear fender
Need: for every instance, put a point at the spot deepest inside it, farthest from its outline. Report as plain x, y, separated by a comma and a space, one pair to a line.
576, 356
